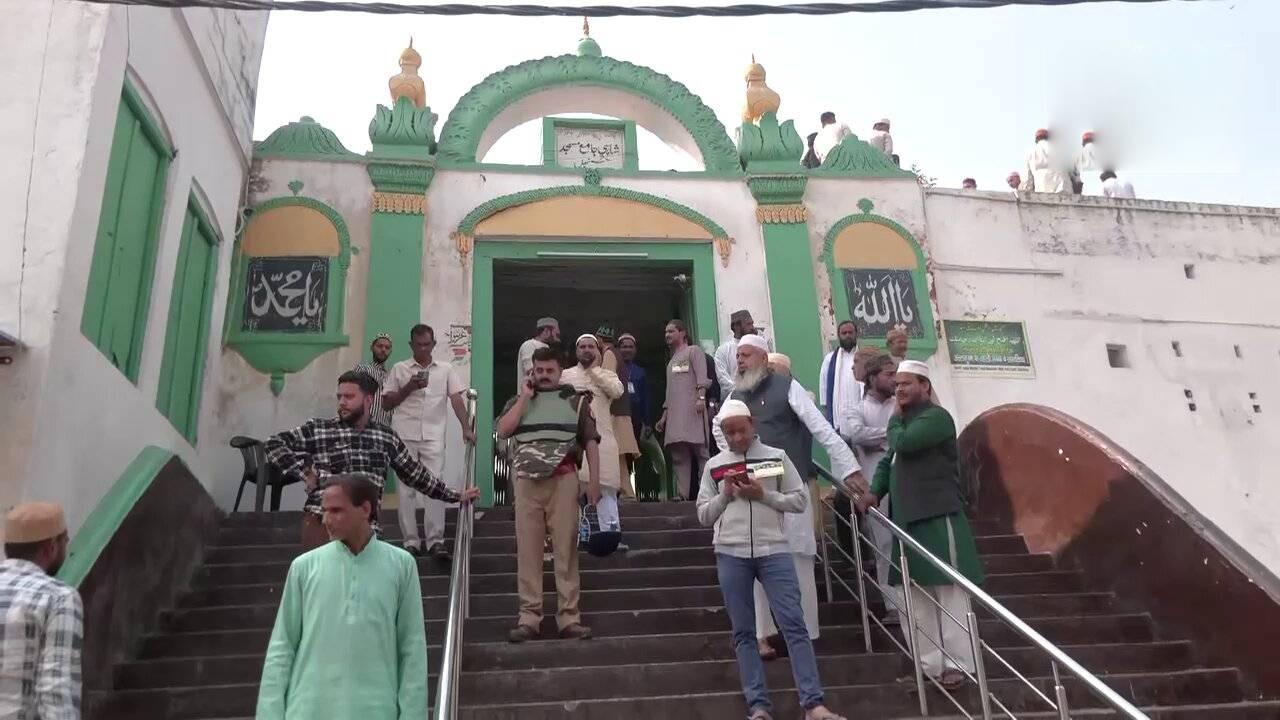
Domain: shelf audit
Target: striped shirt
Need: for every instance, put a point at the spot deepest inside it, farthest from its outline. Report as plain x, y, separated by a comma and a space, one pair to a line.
378, 372
41, 635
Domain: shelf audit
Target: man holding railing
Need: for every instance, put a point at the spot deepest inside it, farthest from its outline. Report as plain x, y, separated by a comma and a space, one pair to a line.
920, 474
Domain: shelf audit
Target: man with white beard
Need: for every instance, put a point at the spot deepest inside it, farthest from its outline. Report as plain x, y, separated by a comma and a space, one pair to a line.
787, 418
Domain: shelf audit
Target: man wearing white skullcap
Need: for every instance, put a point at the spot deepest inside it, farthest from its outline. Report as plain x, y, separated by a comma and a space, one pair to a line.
590, 376
41, 618
921, 475
747, 491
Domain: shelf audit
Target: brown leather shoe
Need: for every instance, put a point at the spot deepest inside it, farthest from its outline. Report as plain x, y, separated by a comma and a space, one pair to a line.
521, 633
576, 631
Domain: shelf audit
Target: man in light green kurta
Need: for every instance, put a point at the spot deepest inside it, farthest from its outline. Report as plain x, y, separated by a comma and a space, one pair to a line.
349, 641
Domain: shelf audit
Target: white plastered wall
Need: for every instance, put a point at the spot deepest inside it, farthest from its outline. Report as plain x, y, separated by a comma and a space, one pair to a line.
91, 421
1090, 272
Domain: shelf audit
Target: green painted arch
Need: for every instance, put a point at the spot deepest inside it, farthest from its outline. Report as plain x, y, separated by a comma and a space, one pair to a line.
275, 353
918, 348
475, 112
492, 207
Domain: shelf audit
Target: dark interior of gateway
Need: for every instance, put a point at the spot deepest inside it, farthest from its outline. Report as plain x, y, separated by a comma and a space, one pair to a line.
633, 295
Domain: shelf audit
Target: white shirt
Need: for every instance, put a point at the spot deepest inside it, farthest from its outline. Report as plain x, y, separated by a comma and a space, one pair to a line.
422, 415
882, 141
829, 137
1087, 170
1043, 173
726, 358
524, 359
867, 424
1117, 188
847, 390
843, 463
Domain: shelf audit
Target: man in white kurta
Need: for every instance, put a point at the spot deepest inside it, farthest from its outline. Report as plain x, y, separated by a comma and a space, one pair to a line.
726, 357
830, 135
867, 424
548, 332
349, 639
1114, 187
1046, 172
419, 391
605, 387
837, 387
881, 139
1085, 169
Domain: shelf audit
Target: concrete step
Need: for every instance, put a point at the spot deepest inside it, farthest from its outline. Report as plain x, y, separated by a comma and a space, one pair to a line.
388, 518
883, 700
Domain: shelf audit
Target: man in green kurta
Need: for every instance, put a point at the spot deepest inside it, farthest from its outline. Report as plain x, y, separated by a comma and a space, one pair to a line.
349, 640
921, 474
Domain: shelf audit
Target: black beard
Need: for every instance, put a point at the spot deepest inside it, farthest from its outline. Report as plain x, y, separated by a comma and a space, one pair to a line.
848, 344
353, 418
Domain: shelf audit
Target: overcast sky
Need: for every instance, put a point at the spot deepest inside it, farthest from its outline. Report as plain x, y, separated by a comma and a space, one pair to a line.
1186, 93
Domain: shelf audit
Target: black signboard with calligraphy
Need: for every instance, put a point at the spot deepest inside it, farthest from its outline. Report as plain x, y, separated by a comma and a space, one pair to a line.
286, 294
881, 299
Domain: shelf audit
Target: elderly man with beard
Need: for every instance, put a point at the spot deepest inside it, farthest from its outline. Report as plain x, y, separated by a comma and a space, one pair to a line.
787, 418
350, 443
553, 428
921, 475
603, 387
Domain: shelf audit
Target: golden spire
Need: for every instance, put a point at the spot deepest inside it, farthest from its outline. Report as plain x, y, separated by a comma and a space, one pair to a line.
761, 98
407, 83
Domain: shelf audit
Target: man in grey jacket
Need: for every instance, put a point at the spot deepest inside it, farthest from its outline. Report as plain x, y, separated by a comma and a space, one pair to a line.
744, 492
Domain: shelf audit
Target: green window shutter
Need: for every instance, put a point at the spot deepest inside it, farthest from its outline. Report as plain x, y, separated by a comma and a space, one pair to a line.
119, 290
187, 334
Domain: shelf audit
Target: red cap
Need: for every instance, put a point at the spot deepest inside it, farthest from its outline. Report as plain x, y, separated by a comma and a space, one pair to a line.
1087, 137
1042, 134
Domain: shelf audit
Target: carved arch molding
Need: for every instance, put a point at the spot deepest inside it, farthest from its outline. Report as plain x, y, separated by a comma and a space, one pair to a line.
468, 126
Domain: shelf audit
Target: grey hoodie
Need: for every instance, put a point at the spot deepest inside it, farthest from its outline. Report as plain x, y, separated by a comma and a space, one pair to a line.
748, 528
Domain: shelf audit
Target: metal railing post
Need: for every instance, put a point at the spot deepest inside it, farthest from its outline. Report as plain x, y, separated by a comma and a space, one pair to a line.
446, 705
826, 561
862, 586
1060, 692
979, 665
914, 638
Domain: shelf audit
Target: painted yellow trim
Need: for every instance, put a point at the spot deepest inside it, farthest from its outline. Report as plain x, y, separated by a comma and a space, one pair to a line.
290, 230
591, 217
868, 244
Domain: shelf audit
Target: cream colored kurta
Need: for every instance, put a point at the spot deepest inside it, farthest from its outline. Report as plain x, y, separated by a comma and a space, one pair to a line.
605, 387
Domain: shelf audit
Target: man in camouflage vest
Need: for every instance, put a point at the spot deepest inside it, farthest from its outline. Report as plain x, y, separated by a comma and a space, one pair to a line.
553, 429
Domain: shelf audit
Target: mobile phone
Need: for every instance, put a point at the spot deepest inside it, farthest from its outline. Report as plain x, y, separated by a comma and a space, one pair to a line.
424, 376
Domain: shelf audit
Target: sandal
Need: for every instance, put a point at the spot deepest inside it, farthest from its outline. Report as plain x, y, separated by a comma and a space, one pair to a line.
952, 680
808, 715
759, 714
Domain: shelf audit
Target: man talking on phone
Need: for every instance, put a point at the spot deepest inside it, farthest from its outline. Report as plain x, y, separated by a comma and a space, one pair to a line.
417, 390
554, 430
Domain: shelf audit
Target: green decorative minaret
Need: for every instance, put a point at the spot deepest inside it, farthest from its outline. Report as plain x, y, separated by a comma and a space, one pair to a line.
770, 152
401, 167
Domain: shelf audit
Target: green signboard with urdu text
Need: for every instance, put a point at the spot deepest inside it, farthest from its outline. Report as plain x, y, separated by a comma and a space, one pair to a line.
985, 347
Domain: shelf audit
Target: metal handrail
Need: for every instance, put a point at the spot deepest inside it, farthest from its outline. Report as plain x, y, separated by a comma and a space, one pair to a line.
1056, 654
459, 586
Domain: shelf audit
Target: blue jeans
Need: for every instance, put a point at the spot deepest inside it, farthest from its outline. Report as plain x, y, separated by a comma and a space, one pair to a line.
777, 573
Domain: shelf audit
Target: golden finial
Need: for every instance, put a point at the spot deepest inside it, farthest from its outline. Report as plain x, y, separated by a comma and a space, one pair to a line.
761, 98
407, 83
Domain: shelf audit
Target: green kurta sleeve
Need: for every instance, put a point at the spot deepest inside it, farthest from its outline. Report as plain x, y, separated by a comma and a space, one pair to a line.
412, 644
929, 428
282, 650
880, 481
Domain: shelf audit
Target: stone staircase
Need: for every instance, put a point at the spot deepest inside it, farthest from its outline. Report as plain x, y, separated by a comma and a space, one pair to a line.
661, 647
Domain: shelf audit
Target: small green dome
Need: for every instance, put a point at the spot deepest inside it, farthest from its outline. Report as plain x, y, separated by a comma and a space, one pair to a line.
588, 47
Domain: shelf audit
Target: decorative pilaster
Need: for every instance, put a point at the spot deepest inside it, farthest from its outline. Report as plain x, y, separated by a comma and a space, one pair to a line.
770, 152
401, 167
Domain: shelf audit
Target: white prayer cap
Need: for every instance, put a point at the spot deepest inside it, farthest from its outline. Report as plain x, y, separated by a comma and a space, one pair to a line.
584, 336
754, 341
915, 367
780, 359
734, 408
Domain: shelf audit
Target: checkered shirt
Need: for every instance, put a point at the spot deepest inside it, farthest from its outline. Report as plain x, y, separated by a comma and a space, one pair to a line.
41, 634
332, 447
378, 372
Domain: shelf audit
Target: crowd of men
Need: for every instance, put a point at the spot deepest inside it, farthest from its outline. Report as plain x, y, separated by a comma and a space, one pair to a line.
349, 637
